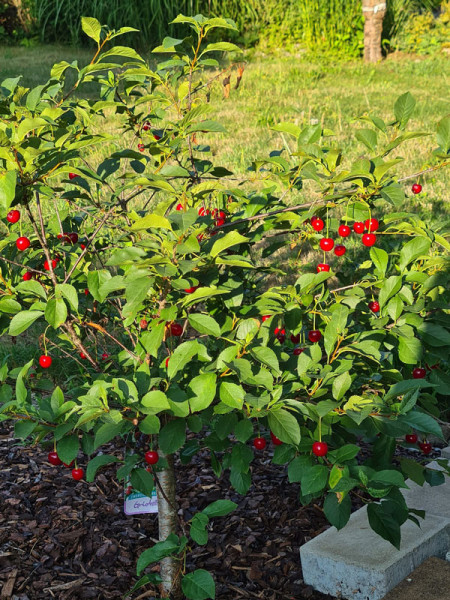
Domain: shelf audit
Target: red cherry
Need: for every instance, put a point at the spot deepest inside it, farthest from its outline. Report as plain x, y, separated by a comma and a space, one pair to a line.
340, 250
344, 230
369, 239
151, 457
314, 336
82, 246
72, 175
167, 361
54, 459
411, 438
372, 225
129, 490
176, 329
47, 265
146, 126
13, 216
317, 224
298, 351
45, 361
320, 448
141, 147
143, 324
86, 292
280, 334
68, 466
203, 211
179, 206
73, 237
426, 447
374, 306
77, 474
295, 338
82, 355
156, 136
322, 267
220, 222
259, 443
419, 373
358, 227
416, 188
275, 440
105, 356
191, 289
326, 244
266, 318
22, 243
27, 276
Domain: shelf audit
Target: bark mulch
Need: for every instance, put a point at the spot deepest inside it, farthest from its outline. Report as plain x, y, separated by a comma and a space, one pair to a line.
67, 540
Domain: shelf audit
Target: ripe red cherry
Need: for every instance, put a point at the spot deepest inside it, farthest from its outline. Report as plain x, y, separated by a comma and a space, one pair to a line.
322, 267
13, 216
411, 438
344, 230
317, 224
141, 147
266, 318
416, 188
77, 474
167, 361
72, 175
82, 355
358, 227
22, 243
191, 290
27, 276
298, 351
220, 222
68, 466
259, 443
275, 440
176, 329
372, 225
143, 324
82, 246
203, 211
419, 373
326, 244
369, 239
314, 336
73, 237
54, 459
105, 356
47, 265
374, 306
295, 338
156, 136
340, 250
151, 457
45, 361
320, 448
280, 334
179, 206
86, 292
426, 447
146, 126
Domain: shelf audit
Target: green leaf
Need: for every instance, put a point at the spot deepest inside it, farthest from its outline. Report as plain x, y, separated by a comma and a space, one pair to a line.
182, 355
197, 530
142, 481
394, 194
151, 221
221, 47
314, 479
243, 430
266, 356
433, 334
412, 250
172, 436
68, 447
284, 426
155, 402
23, 320
7, 191
10, 306
403, 109
106, 432
22, 429
290, 128
383, 523
230, 239
347, 452
368, 137
232, 394
97, 462
157, 552
409, 350
422, 422
443, 134
389, 477
240, 481
204, 389
150, 425
198, 585
379, 258
219, 508
390, 287
68, 292
337, 511
298, 467
204, 324
413, 470
91, 28
56, 312
341, 385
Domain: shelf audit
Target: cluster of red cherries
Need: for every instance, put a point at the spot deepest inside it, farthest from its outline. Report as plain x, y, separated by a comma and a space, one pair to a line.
426, 447
318, 448
146, 127
53, 459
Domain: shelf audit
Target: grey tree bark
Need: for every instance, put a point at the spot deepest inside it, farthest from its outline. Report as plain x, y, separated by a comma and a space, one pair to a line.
373, 11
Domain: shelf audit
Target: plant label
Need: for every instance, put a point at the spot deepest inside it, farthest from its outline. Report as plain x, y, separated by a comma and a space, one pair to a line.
136, 503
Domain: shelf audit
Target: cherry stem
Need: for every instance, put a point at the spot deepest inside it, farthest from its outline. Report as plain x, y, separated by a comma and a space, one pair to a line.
320, 429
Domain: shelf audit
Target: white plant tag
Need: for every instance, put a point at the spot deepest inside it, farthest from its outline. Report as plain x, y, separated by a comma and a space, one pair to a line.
137, 504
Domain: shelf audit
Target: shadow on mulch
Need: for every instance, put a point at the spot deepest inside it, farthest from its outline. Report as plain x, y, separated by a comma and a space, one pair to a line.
67, 540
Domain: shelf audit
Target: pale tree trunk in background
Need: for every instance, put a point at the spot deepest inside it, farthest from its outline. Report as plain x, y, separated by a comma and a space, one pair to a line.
373, 11
168, 523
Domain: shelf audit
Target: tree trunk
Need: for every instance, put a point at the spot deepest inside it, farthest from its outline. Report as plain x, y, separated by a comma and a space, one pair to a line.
167, 520
373, 11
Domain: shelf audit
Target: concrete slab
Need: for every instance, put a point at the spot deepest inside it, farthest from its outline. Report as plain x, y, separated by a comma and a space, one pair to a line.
356, 564
430, 581
445, 452
433, 500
